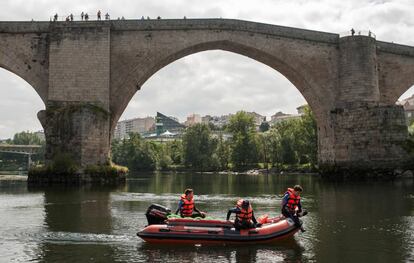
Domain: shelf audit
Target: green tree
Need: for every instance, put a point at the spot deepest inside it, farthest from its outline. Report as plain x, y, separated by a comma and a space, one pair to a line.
26, 138
198, 147
308, 138
223, 153
264, 126
264, 145
243, 143
295, 141
175, 151
135, 153
163, 155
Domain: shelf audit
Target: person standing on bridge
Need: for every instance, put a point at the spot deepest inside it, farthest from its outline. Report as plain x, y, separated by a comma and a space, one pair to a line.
107, 16
71, 17
55, 17
82, 15
291, 205
186, 205
86, 17
99, 14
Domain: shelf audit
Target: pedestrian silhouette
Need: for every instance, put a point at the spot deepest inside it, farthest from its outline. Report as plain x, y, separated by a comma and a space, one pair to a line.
99, 14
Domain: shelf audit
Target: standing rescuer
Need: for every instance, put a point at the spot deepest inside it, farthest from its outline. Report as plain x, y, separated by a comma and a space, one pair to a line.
291, 206
186, 205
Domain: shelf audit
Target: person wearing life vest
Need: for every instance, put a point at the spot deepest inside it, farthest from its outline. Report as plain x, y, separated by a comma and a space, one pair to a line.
186, 205
291, 206
244, 215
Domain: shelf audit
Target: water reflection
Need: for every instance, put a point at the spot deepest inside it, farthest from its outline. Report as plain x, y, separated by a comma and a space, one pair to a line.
78, 222
286, 251
356, 219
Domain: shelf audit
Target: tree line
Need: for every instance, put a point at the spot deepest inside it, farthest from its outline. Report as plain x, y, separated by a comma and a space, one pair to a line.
291, 143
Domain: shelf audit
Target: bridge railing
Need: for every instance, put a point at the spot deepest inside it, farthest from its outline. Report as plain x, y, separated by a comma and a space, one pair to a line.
358, 32
94, 17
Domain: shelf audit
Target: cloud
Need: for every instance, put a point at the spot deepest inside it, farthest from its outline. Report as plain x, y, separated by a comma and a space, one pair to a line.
213, 82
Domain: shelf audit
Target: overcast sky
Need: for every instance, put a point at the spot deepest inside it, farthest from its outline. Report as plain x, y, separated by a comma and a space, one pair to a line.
212, 82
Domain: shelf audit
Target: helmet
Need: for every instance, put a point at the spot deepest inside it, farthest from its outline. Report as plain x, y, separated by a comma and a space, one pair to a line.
245, 204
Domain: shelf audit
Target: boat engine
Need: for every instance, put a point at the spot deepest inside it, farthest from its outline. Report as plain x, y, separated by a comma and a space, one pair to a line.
157, 214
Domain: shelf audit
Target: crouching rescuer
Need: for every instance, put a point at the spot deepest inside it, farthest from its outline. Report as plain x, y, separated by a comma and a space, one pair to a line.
244, 215
186, 205
291, 206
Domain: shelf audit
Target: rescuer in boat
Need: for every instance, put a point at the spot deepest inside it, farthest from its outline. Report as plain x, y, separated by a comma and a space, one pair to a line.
291, 206
244, 215
186, 205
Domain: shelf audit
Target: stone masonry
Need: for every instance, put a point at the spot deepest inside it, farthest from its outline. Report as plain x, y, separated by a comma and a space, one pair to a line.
87, 72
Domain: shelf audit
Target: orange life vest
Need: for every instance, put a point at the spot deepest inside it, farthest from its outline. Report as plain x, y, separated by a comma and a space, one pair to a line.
245, 214
293, 200
187, 207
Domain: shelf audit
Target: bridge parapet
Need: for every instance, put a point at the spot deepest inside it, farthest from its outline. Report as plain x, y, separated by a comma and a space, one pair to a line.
176, 24
23, 149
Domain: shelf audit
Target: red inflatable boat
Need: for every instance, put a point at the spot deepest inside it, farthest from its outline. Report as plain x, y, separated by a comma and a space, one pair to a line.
188, 230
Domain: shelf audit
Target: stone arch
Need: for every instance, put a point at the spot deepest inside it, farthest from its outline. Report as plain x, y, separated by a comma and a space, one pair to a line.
310, 65
308, 86
396, 72
26, 65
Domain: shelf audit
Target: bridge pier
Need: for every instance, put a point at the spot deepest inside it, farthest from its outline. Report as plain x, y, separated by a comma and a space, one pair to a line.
368, 134
77, 145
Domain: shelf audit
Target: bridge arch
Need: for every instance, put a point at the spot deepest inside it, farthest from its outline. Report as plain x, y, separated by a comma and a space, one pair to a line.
19, 98
396, 70
22, 56
309, 70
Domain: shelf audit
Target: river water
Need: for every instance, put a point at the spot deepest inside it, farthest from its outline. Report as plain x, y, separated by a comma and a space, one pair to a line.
352, 222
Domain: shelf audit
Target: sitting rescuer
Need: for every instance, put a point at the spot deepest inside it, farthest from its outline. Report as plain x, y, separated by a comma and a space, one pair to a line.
244, 215
291, 206
186, 205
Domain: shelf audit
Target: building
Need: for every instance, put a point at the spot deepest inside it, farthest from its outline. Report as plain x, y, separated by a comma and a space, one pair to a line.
193, 119
136, 125
257, 118
40, 135
218, 121
165, 123
280, 116
408, 105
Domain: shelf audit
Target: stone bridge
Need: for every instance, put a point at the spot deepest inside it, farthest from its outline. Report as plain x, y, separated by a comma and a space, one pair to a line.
87, 72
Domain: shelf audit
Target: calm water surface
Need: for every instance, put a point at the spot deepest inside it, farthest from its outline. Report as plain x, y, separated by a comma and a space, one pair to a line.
353, 222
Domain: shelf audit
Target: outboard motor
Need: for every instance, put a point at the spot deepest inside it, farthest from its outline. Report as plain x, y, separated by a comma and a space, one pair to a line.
157, 214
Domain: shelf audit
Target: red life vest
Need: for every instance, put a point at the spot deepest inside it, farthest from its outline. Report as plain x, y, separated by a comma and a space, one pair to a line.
293, 200
245, 214
187, 207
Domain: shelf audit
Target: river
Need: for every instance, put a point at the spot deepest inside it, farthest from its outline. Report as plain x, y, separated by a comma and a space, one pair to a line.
347, 222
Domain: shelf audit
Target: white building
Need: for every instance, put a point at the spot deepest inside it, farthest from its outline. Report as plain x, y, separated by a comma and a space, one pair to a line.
136, 125
193, 119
